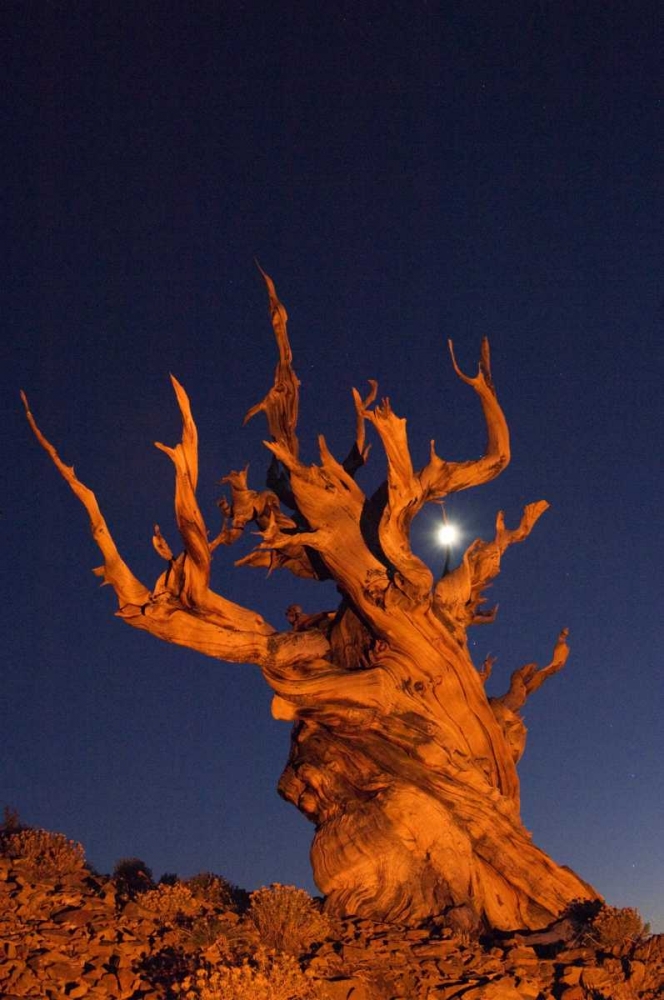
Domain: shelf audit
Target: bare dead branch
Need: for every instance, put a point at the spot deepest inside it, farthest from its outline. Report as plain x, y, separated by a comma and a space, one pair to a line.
281, 404
438, 477
528, 679
359, 453
181, 608
128, 588
187, 513
404, 500
247, 507
161, 546
460, 593
486, 668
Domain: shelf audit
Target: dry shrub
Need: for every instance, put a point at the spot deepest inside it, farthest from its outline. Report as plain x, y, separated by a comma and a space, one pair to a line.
132, 877
45, 856
268, 976
218, 891
171, 903
287, 919
612, 928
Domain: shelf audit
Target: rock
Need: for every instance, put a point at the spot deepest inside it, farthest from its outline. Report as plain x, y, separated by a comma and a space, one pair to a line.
59, 942
529, 989
573, 993
78, 991
570, 955
571, 975
637, 973
435, 949
504, 989
343, 989
521, 956
64, 972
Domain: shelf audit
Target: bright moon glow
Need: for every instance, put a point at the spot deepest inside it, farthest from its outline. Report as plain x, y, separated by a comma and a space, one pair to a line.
448, 534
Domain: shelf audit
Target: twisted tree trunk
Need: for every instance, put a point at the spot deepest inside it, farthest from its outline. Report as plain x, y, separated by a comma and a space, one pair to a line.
406, 767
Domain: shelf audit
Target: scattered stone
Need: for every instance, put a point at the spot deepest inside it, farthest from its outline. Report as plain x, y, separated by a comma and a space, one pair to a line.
78, 939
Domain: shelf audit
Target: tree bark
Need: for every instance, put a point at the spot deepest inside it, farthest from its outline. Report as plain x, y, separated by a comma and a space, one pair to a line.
399, 758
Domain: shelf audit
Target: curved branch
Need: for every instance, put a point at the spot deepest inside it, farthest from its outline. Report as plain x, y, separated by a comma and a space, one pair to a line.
187, 513
528, 679
247, 506
408, 491
524, 682
404, 499
359, 453
438, 477
181, 608
281, 404
332, 506
459, 593
128, 588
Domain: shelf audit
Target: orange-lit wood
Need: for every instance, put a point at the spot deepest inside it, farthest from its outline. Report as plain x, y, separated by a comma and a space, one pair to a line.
406, 767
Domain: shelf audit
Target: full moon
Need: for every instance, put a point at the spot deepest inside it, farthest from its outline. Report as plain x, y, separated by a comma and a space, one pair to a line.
448, 534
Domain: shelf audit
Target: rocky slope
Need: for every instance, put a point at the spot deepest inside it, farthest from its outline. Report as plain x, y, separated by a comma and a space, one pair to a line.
69, 933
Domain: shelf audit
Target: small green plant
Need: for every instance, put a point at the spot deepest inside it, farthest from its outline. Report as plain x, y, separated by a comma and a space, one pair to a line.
287, 919
44, 856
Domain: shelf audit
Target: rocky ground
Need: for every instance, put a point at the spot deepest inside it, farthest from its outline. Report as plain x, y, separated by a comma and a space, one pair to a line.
70, 933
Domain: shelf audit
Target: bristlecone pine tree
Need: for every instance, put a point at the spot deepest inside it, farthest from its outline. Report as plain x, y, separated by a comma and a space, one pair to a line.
400, 759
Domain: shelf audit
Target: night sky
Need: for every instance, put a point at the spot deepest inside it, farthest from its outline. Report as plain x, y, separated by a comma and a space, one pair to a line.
406, 172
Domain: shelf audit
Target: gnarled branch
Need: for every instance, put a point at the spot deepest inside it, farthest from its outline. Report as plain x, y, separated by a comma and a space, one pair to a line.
281, 404
408, 491
524, 682
528, 679
459, 593
129, 589
404, 500
438, 477
181, 608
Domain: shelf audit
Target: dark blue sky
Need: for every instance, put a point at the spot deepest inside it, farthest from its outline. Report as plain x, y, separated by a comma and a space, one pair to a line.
406, 172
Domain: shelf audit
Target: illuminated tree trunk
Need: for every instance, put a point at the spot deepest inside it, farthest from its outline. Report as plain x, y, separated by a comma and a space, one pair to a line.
406, 767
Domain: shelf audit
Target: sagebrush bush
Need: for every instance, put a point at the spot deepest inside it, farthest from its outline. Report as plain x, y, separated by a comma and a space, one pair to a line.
43, 855
218, 891
212, 934
612, 928
171, 903
287, 919
268, 976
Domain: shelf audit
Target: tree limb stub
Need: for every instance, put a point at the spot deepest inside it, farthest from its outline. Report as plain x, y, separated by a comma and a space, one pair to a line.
524, 682
359, 453
280, 405
528, 679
